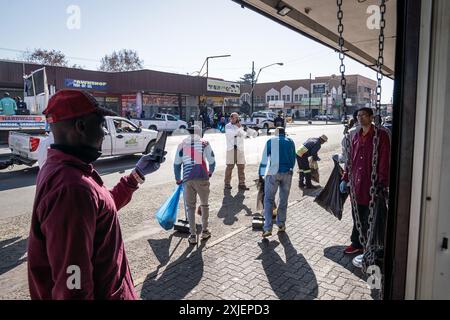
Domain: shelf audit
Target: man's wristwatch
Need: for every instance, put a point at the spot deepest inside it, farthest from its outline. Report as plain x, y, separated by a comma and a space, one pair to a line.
137, 176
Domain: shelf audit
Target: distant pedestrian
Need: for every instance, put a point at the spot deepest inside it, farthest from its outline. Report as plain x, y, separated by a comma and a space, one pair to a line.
8, 106
279, 121
235, 135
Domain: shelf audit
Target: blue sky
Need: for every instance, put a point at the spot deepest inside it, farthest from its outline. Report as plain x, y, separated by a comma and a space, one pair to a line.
171, 35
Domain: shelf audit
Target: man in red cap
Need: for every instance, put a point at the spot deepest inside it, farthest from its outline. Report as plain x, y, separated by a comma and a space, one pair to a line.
75, 248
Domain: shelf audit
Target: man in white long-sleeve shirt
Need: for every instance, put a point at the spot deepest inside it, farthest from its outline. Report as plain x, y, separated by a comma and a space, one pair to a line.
235, 135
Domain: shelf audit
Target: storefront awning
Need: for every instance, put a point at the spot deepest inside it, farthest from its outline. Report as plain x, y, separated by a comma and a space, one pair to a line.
317, 19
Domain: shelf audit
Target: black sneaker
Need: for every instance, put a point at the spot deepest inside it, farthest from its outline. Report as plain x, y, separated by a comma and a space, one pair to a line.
243, 187
192, 239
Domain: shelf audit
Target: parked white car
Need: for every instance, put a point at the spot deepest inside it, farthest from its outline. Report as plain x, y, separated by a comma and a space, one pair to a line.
122, 137
260, 120
161, 122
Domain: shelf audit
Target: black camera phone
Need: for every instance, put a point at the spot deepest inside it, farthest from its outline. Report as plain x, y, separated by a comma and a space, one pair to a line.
159, 147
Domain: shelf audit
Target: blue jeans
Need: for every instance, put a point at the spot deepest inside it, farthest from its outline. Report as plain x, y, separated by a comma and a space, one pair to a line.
271, 184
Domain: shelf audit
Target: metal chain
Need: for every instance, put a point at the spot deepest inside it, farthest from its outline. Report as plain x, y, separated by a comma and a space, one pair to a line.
340, 16
371, 249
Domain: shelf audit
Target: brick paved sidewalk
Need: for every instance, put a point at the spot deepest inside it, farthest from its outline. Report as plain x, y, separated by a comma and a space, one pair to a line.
306, 262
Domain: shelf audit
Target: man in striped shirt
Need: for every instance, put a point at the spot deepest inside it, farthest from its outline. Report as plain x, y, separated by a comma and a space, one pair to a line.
191, 155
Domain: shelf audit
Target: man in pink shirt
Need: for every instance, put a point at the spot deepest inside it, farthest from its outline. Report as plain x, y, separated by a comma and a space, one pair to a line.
75, 248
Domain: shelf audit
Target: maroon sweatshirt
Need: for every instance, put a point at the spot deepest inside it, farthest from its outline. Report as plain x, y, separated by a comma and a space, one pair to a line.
75, 225
361, 153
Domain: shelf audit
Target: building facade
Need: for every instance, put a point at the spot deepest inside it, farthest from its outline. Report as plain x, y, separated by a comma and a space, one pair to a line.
306, 98
136, 94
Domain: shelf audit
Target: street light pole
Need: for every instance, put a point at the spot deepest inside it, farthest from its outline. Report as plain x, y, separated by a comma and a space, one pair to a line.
253, 84
207, 63
309, 122
255, 81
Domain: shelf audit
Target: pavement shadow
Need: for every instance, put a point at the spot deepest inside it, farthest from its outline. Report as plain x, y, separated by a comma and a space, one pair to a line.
11, 253
290, 279
161, 249
18, 178
311, 192
336, 254
13, 179
178, 278
232, 206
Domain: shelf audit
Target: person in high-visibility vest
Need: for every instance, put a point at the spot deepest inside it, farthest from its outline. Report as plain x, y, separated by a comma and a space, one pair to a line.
309, 149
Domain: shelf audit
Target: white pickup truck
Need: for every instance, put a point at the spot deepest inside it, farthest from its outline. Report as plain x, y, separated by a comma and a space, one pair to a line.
260, 120
161, 122
122, 137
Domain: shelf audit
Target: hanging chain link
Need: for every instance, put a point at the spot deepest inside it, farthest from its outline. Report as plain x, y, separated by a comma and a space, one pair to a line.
340, 16
371, 250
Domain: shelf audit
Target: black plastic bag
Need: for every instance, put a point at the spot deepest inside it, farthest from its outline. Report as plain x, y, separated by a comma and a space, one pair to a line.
380, 209
330, 198
260, 196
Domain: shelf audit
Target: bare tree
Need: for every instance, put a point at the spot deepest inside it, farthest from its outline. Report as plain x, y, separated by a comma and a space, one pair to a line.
123, 60
47, 57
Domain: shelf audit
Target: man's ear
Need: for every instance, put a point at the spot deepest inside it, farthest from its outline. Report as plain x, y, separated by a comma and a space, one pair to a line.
80, 126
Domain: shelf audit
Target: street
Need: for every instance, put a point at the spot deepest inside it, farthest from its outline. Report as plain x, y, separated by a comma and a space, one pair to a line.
158, 258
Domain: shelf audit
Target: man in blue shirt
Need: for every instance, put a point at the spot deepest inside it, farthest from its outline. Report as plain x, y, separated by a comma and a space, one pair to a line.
277, 165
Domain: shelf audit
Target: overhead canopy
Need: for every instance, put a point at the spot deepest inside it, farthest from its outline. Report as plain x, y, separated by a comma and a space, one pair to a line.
317, 19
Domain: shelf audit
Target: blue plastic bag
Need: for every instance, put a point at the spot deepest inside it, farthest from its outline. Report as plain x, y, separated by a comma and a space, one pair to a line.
167, 214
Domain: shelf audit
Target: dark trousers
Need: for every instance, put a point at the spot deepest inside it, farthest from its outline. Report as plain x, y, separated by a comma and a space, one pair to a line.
363, 212
305, 170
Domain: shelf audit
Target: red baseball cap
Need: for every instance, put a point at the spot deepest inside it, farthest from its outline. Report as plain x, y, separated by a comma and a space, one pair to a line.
69, 104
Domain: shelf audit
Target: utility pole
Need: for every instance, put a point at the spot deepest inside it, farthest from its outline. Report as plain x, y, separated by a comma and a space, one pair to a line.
309, 122
253, 85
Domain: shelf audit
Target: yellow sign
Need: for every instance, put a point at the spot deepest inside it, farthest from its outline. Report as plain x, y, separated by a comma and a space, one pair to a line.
223, 86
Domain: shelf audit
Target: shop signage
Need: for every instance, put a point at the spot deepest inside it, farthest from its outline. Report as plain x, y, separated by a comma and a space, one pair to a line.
112, 99
162, 100
318, 88
18, 122
276, 104
223, 86
85, 84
